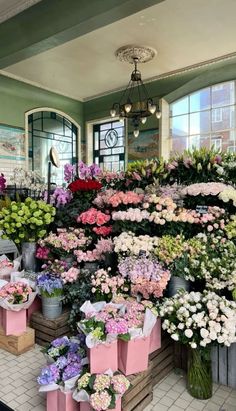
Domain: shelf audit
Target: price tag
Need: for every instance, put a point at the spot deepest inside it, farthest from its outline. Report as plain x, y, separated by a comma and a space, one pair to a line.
201, 209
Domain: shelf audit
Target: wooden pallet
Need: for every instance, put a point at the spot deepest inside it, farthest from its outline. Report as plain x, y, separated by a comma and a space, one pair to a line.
47, 330
17, 344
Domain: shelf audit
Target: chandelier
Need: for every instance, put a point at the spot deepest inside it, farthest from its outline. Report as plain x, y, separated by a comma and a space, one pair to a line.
135, 103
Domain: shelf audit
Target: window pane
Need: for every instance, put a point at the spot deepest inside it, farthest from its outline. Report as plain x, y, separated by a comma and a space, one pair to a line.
223, 118
223, 140
200, 122
179, 144
179, 126
179, 107
200, 100
199, 141
223, 94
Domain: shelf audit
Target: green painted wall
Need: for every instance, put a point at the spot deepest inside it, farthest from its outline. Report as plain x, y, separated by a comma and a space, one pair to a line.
16, 98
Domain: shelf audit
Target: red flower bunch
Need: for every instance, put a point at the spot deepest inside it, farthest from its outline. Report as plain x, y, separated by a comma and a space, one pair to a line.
103, 231
84, 185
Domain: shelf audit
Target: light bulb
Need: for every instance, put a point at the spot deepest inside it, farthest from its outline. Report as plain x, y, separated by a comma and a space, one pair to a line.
143, 120
128, 107
158, 114
113, 112
136, 133
152, 108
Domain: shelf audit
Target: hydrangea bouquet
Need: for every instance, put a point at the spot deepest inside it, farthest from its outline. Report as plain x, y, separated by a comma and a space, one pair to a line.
49, 286
101, 390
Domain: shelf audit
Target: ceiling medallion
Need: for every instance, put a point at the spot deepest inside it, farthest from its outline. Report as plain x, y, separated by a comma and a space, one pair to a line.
140, 53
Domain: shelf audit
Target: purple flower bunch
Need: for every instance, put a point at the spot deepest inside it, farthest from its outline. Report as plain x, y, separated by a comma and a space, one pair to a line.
60, 197
142, 267
63, 369
69, 172
49, 375
63, 345
2, 182
85, 172
49, 285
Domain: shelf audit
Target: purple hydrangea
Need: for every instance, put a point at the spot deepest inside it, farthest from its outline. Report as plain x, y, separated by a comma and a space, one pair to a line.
71, 371
61, 362
49, 285
60, 342
49, 375
147, 268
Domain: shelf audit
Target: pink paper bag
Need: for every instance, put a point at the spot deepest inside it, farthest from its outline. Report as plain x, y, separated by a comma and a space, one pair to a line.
85, 406
133, 355
13, 322
102, 357
35, 306
52, 401
155, 337
61, 401
66, 402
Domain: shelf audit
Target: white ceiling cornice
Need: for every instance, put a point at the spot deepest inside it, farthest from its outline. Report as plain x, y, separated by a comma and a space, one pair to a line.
13, 8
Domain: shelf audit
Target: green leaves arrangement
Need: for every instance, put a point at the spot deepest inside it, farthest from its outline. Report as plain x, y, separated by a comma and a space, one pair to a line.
25, 221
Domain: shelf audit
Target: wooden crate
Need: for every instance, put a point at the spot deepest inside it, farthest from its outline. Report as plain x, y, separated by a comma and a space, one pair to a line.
47, 330
162, 360
17, 344
224, 365
139, 394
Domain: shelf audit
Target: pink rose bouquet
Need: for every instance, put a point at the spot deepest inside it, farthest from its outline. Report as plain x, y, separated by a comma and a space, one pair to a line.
15, 293
71, 275
93, 216
105, 286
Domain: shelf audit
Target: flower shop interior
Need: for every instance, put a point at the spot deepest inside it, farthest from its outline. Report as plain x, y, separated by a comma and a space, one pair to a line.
117, 205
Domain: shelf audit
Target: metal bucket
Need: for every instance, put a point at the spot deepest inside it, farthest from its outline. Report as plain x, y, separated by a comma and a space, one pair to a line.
176, 284
51, 307
28, 256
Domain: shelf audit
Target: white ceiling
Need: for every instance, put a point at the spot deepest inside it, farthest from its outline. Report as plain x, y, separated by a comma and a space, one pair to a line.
9, 8
184, 32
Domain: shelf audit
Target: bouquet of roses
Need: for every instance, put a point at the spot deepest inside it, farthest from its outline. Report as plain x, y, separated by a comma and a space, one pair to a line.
199, 319
101, 390
127, 243
105, 285
16, 296
97, 219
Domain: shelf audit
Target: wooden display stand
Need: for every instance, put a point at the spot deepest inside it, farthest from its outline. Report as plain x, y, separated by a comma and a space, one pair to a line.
48, 330
17, 344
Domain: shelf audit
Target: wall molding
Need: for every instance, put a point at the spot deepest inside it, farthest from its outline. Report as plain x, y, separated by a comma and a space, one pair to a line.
13, 10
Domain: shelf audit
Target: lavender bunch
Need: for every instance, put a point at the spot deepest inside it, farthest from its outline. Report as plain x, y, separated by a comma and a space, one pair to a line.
142, 267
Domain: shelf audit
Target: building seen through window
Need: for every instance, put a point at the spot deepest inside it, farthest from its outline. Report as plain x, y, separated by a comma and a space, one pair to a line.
205, 118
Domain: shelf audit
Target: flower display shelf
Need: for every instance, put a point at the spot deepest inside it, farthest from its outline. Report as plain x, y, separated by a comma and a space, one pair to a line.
17, 344
47, 330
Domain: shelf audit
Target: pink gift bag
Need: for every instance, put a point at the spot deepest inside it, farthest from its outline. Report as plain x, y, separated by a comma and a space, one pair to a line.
155, 337
133, 355
35, 306
102, 357
61, 401
85, 406
13, 322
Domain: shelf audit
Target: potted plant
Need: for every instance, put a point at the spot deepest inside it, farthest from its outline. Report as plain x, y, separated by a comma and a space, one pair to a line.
51, 290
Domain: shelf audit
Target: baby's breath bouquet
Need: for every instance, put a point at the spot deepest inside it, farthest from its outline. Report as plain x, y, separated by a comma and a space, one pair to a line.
25, 221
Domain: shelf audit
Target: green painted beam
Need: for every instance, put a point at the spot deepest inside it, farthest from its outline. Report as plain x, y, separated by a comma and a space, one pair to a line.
50, 23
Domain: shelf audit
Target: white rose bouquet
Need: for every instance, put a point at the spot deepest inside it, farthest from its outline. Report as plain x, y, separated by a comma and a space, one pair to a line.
199, 319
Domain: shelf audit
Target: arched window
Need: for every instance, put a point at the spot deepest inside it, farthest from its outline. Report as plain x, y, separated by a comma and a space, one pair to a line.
205, 118
48, 128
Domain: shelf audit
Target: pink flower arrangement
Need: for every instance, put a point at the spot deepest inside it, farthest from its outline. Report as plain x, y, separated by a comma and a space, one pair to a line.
65, 241
117, 326
15, 293
132, 214
102, 247
42, 253
121, 198
120, 384
204, 189
71, 275
93, 216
